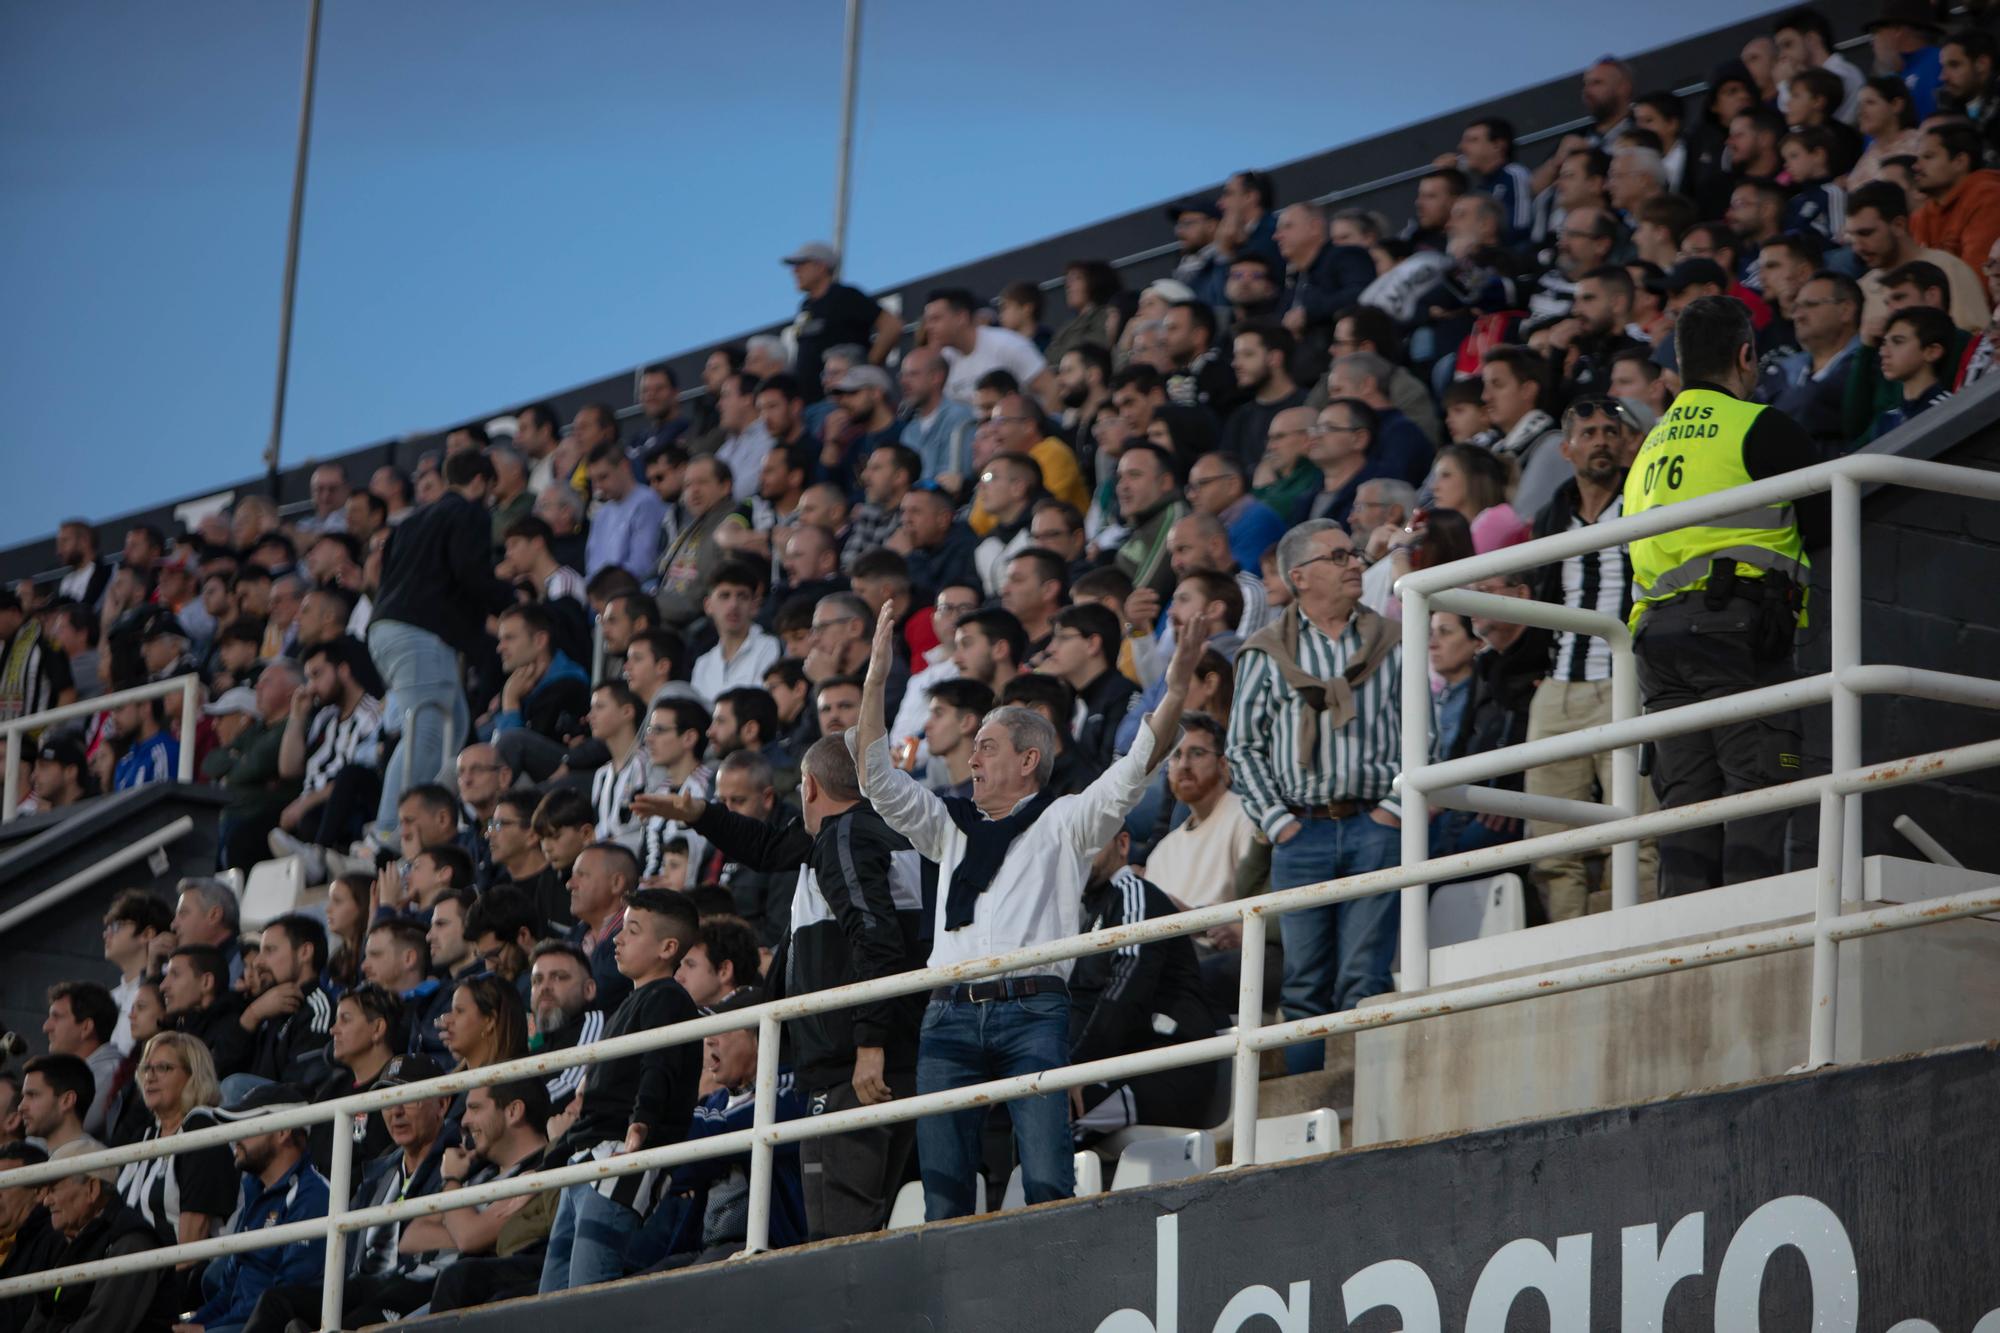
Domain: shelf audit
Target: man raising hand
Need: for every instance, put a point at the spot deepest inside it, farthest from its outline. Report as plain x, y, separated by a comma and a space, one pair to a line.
1012, 864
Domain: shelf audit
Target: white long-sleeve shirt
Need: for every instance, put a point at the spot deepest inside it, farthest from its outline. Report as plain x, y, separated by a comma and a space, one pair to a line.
1036, 896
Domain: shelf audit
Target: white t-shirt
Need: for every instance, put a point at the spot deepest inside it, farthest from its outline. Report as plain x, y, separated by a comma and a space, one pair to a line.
713, 673
992, 349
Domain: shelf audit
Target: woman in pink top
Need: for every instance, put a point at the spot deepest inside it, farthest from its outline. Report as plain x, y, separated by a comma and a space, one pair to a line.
1473, 482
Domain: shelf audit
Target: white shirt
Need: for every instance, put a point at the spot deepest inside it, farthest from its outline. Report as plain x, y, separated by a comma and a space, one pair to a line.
992, 349
713, 673
699, 783
564, 582
612, 788
1195, 865
123, 995
77, 582
1036, 896
745, 455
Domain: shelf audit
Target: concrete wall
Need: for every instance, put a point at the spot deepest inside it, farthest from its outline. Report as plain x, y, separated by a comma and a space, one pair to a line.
1930, 598
1678, 1032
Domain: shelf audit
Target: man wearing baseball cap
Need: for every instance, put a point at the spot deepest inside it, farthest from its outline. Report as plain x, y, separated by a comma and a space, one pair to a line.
280, 1186
383, 1279
61, 776
94, 1223
1201, 265
866, 394
833, 313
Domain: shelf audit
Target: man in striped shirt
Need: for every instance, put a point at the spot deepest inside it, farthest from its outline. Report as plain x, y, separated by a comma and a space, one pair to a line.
1315, 774
332, 743
1577, 691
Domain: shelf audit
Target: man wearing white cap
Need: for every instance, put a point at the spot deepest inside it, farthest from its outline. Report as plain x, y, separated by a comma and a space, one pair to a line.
833, 313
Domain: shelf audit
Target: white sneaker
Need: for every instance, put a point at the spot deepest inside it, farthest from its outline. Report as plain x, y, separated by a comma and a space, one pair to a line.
312, 859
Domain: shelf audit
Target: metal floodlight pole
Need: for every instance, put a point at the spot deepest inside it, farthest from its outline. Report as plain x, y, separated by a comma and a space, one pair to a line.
850, 74
271, 449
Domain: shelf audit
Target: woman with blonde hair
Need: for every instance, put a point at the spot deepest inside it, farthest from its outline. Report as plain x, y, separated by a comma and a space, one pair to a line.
190, 1195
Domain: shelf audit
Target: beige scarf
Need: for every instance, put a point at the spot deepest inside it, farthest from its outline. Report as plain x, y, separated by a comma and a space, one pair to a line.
1333, 698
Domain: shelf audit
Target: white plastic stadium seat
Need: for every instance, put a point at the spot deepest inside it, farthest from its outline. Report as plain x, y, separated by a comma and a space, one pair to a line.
1155, 1161
233, 877
1089, 1181
908, 1210
1473, 909
1307, 1134
272, 890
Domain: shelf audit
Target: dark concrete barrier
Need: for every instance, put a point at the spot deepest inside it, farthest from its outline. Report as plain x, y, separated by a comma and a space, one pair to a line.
1848, 1200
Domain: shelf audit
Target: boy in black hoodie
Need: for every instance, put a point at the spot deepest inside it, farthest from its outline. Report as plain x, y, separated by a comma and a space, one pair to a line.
628, 1104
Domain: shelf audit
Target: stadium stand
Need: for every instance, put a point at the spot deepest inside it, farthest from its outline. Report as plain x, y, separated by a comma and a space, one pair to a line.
537, 836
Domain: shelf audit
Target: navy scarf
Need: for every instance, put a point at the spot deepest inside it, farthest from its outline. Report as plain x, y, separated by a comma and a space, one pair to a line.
986, 844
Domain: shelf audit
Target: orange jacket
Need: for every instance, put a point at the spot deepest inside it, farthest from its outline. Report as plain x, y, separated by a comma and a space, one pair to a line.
1965, 222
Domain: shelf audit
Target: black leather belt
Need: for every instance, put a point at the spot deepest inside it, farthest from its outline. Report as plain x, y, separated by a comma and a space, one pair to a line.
1331, 810
1006, 988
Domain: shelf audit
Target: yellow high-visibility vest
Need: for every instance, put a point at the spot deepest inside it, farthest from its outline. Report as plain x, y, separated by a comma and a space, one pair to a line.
1696, 450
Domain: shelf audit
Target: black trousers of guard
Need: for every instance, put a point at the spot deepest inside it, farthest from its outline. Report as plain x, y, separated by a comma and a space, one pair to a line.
1689, 651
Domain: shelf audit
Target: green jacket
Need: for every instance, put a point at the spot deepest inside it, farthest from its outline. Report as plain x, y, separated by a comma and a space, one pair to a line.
1143, 555
1289, 494
248, 772
1869, 394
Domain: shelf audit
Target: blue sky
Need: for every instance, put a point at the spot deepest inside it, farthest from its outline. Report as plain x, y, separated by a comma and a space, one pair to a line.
509, 198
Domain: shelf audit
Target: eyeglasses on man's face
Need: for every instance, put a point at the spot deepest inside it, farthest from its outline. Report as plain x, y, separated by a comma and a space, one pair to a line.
1345, 556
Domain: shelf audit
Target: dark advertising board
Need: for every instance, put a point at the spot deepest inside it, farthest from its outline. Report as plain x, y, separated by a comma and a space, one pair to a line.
1856, 1201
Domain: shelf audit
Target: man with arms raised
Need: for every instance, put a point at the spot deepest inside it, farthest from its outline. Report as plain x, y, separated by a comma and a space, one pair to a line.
1012, 863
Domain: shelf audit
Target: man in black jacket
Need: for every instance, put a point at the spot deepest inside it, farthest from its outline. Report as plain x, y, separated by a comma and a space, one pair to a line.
855, 916
437, 590
92, 1223
29, 1242
291, 1021
1142, 996
195, 990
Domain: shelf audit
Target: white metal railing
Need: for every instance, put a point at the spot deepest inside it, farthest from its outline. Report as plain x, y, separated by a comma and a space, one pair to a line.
1842, 686
1251, 1036
188, 686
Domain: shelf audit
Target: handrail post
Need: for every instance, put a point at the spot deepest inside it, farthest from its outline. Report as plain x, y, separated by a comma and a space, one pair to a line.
1844, 618
1625, 773
333, 1283
1249, 1017
1826, 950
757, 1230
13, 778
190, 719
1416, 922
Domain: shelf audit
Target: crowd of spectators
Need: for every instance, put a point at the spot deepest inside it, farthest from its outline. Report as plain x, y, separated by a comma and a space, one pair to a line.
550, 722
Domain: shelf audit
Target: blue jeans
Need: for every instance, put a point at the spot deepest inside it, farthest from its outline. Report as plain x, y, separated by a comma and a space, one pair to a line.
963, 1043
1338, 955
1454, 831
587, 1240
420, 671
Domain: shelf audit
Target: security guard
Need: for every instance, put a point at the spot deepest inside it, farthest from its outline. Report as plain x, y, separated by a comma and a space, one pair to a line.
1717, 605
